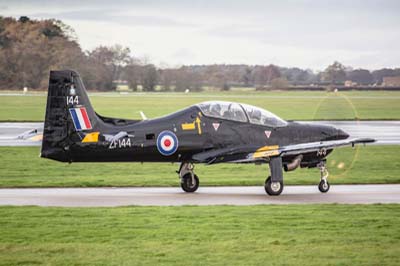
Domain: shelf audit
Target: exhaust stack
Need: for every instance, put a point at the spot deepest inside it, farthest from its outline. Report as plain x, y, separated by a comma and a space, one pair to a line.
294, 164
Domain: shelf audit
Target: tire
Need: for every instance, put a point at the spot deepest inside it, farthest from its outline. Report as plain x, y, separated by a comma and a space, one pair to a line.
273, 189
186, 183
324, 186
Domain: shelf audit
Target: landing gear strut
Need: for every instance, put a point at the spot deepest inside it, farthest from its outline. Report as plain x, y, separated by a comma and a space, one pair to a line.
274, 183
323, 184
189, 181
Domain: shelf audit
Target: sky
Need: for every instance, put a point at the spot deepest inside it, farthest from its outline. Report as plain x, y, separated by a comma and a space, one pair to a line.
169, 33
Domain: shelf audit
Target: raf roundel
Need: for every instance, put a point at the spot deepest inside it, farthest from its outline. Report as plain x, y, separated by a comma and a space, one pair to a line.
167, 143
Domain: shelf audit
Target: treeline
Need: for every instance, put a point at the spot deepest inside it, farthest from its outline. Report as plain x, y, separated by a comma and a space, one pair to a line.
29, 49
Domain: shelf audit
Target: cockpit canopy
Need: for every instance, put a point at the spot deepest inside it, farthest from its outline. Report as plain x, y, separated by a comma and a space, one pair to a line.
241, 113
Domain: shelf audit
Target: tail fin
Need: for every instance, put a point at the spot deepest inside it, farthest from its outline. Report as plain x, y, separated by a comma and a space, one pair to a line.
68, 113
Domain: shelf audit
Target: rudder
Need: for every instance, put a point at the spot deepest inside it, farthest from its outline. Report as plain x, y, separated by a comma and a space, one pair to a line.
68, 113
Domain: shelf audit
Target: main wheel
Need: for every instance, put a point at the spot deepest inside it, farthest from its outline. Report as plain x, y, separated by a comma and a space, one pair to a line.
189, 185
273, 188
324, 186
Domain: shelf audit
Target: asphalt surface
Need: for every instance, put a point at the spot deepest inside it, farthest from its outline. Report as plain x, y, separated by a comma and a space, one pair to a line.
386, 132
108, 197
10, 132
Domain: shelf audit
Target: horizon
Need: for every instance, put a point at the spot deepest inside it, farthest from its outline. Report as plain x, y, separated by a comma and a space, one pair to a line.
286, 34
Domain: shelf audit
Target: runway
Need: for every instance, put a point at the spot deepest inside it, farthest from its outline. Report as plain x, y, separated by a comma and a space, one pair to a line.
10, 132
386, 132
111, 197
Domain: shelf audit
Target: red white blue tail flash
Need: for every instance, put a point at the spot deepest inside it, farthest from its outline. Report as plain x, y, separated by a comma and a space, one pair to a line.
80, 118
167, 143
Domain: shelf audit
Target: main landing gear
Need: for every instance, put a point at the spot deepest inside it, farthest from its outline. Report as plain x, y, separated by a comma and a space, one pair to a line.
323, 184
274, 183
189, 180
273, 188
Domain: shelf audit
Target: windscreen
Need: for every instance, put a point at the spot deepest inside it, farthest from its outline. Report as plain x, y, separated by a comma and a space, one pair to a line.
260, 116
224, 110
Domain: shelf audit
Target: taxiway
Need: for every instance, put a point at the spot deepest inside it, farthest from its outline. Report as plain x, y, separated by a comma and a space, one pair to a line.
157, 196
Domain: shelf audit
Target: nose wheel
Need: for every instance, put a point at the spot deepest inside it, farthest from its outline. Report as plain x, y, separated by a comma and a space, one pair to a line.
323, 184
189, 180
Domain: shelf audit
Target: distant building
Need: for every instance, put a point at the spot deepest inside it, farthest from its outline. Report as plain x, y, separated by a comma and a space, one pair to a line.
120, 85
391, 81
349, 83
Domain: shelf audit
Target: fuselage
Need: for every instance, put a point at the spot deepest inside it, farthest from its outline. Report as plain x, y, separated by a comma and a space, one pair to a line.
209, 132
195, 133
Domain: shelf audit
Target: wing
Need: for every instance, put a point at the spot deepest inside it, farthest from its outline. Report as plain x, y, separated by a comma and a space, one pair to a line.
253, 154
230, 154
320, 146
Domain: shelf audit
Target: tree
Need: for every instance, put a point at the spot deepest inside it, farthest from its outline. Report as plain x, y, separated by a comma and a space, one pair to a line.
296, 75
132, 74
166, 77
384, 72
24, 19
67, 30
150, 78
246, 77
188, 78
279, 83
360, 76
220, 81
334, 73
263, 75
108, 63
29, 49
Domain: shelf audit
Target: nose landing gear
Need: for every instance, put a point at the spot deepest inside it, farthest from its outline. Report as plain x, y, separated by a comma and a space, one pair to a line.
323, 184
189, 180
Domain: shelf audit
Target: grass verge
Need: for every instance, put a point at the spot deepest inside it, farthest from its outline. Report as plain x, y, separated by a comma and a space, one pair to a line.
21, 167
212, 235
298, 105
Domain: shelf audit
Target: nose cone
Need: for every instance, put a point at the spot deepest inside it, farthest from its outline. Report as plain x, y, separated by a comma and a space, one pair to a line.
332, 133
341, 134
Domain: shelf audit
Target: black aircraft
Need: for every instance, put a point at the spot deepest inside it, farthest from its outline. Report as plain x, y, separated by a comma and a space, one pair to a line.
209, 132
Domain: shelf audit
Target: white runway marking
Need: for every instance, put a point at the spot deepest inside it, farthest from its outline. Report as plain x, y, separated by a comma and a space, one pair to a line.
108, 197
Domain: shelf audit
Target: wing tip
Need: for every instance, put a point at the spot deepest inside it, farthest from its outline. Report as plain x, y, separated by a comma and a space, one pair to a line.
364, 140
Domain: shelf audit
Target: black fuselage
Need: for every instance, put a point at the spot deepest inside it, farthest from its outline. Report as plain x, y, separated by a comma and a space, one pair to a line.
141, 143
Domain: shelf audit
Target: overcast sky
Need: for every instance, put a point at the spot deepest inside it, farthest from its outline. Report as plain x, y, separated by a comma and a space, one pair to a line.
306, 34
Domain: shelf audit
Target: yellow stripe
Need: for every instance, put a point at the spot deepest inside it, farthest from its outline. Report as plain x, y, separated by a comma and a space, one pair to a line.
264, 154
91, 137
268, 148
266, 151
188, 126
36, 138
198, 121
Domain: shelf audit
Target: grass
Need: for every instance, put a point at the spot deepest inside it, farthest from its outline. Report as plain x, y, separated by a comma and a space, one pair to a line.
212, 235
299, 105
21, 167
